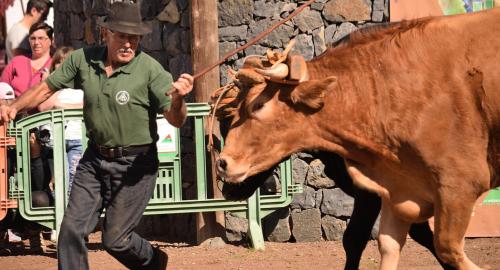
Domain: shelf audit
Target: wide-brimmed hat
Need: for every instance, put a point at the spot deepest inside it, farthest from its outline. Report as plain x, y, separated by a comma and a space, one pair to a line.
125, 17
6, 91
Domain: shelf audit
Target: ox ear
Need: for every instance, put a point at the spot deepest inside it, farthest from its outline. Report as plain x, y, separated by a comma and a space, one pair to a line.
311, 93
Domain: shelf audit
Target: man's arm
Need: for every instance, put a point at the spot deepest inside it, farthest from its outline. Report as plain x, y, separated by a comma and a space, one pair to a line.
177, 113
49, 103
63, 100
27, 101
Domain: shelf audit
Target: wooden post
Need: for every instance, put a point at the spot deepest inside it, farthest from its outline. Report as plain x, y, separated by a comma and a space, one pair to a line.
205, 51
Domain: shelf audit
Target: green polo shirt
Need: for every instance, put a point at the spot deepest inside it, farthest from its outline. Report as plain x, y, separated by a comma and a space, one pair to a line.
119, 110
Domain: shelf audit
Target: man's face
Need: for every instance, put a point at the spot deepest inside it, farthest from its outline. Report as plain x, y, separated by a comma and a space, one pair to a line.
121, 46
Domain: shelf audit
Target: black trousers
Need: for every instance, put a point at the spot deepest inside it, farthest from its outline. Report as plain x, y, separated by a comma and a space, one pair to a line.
122, 186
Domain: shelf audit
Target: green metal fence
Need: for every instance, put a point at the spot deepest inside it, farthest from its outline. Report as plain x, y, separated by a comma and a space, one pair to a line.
167, 198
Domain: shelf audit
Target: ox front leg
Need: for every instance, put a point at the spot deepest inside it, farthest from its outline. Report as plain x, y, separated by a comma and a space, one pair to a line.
391, 238
452, 215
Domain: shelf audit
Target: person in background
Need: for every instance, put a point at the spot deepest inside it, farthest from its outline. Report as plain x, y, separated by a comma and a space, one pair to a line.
6, 94
40, 198
16, 42
67, 98
7, 236
23, 71
124, 91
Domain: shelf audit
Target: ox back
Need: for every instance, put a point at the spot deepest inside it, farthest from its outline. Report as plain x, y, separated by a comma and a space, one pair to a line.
393, 72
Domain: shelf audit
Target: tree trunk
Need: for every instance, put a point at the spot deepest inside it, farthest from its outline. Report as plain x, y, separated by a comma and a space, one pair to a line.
205, 51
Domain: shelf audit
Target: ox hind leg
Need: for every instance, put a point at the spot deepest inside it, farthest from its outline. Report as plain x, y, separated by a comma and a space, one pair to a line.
452, 215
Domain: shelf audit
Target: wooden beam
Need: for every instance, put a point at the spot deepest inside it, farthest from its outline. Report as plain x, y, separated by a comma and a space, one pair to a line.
204, 52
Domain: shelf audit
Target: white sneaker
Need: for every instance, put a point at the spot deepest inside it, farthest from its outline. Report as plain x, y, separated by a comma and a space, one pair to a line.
13, 238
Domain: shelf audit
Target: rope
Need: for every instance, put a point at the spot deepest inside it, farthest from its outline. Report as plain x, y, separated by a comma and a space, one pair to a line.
227, 87
214, 153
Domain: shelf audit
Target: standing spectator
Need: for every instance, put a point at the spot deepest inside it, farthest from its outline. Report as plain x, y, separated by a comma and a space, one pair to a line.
124, 90
23, 71
67, 98
16, 42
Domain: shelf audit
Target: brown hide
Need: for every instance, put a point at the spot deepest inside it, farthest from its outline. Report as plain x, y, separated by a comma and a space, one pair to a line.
414, 107
411, 85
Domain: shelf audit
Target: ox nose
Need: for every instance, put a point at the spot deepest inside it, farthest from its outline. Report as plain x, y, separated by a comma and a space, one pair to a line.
221, 165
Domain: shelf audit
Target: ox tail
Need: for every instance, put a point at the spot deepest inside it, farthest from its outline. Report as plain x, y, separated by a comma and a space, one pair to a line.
364, 182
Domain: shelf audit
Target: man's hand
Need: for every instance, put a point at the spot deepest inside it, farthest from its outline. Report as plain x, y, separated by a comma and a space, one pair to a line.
7, 113
176, 114
183, 85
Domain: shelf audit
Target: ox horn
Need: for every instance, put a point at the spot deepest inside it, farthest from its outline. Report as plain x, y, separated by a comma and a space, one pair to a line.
278, 71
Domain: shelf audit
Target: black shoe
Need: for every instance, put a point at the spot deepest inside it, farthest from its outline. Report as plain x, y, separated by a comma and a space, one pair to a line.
160, 259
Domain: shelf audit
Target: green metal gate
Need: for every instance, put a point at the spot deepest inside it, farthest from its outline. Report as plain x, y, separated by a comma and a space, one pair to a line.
167, 198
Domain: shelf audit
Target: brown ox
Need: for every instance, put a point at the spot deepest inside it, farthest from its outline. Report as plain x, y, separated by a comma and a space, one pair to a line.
413, 108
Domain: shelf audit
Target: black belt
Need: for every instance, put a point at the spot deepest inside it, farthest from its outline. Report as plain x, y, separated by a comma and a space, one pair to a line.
120, 151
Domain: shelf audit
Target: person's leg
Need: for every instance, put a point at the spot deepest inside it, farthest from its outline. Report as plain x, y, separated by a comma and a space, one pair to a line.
36, 164
132, 183
74, 154
81, 215
37, 174
34, 230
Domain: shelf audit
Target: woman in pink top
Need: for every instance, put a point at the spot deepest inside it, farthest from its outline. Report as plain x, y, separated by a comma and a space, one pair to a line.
24, 72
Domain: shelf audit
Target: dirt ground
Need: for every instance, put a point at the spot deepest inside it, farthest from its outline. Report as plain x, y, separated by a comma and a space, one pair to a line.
277, 256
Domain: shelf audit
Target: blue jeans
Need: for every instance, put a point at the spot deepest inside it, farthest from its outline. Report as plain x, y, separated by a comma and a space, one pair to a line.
122, 186
74, 154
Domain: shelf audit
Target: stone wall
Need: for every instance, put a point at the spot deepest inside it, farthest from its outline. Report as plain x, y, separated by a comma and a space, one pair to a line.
323, 210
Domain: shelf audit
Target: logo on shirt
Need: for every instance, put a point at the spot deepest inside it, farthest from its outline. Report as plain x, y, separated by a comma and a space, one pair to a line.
122, 97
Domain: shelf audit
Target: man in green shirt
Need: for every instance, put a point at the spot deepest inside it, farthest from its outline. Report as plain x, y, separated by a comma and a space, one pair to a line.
124, 89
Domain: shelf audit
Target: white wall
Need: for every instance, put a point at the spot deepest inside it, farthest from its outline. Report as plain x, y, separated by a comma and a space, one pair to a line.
14, 14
